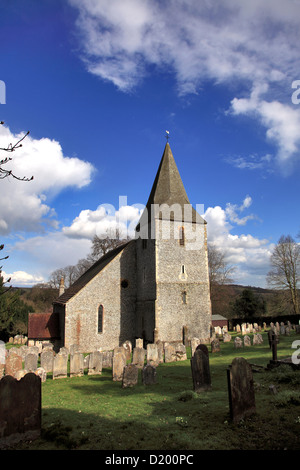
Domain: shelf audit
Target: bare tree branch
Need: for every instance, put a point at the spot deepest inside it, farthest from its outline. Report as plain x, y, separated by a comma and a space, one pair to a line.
11, 148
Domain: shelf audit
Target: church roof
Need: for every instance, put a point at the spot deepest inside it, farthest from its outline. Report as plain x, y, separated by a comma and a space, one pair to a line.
168, 189
90, 274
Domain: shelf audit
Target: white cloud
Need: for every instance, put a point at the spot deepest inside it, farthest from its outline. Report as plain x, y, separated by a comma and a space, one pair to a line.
254, 43
104, 220
23, 205
248, 254
22, 279
197, 40
281, 120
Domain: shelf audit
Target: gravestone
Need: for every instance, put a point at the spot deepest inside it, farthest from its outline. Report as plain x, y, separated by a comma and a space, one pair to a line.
247, 341
13, 364
180, 352
130, 376
138, 357
119, 362
76, 364
238, 342
139, 343
160, 351
107, 359
170, 352
149, 375
41, 373
20, 409
152, 354
47, 357
128, 348
240, 389
200, 370
60, 366
215, 346
95, 363
226, 337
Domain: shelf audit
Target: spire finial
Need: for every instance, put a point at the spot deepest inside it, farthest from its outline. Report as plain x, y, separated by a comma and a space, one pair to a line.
167, 135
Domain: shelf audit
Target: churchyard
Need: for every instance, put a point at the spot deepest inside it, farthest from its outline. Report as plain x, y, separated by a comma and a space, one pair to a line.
96, 410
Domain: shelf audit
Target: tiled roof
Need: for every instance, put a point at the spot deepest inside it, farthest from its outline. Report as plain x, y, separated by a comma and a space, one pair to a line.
43, 326
90, 274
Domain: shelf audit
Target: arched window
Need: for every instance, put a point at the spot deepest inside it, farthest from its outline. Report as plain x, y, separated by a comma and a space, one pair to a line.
181, 236
100, 319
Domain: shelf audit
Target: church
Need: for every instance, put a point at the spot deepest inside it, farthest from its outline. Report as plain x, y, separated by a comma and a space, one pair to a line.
155, 286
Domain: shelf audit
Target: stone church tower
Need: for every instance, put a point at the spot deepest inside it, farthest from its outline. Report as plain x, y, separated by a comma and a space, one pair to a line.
172, 265
152, 287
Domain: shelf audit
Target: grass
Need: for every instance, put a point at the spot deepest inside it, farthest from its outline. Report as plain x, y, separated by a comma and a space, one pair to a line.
95, 413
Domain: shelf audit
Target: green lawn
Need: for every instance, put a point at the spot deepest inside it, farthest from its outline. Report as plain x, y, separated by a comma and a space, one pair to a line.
93, 412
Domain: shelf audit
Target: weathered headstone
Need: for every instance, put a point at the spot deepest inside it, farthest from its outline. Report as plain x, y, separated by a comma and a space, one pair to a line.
138, 357
180, 352
170, 352
247, 341
41, 373
200, 370
76, 364
240, 389
215, 346
149, 375
47, 358
13, 364
238, 342
160, 351
119, 362
226, 337
107, 359
130, 376
152, 354
20, 409
95, 363
60, 366
139, 343
128, 348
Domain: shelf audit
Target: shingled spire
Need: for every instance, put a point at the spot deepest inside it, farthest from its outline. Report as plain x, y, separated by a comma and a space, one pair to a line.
168, 189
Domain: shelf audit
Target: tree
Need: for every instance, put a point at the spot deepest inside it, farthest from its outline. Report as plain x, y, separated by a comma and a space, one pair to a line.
248, 305
4, 173
220, 275
284, 275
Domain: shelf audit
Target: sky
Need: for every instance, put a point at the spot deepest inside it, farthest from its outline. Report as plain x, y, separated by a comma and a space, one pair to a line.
99, 82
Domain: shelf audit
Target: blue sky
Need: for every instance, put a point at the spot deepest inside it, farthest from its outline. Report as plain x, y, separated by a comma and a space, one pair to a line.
98, 83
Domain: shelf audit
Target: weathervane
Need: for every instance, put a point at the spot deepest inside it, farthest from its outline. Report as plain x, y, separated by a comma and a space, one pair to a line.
167, 135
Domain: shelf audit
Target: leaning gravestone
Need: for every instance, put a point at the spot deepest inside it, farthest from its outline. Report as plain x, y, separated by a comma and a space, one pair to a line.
119, 362
149, 375
95, 363
130, 376
240, 389
20, 409
60, 366
76, 364
200, 370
